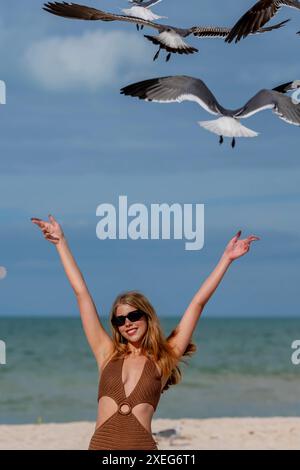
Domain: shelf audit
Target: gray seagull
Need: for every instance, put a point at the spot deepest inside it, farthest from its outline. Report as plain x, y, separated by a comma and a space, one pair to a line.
258, 15
169, 38
183, 88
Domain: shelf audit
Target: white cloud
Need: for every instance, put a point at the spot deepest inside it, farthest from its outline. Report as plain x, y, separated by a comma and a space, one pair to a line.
91, 60
3, 273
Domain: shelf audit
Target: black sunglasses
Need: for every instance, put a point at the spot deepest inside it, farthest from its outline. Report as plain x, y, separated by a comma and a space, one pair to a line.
132, 316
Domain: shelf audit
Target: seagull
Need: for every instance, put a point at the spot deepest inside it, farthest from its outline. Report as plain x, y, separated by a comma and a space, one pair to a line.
166, 433
169, 38
141, 9
172, 434
258, 16
183, 88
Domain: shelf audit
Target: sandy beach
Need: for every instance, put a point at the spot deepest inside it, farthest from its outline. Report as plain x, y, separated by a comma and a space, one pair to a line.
221, 433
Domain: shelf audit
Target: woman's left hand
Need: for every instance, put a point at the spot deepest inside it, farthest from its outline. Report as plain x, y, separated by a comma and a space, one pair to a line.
237, 247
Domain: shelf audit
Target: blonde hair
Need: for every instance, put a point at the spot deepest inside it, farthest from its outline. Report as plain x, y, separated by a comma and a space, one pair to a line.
154, 344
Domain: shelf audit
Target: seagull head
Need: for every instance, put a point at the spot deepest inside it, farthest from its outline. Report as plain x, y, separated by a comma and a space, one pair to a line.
295, 84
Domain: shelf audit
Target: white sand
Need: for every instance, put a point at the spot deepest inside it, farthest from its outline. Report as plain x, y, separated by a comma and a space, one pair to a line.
221, 433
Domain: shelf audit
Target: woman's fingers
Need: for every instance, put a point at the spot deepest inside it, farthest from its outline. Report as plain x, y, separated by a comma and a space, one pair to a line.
52, 219
236, 237
247, 242
50, 237
232, 243
47, 228
40, 223
253, 238
250, 239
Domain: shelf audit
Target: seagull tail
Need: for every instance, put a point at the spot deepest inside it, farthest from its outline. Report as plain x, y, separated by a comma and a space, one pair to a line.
227, 127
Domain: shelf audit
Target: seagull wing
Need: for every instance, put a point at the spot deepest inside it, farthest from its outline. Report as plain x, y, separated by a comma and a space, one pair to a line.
284, 87
209, 31
282, 105
82, 12
257, 17
175, 89
219, 32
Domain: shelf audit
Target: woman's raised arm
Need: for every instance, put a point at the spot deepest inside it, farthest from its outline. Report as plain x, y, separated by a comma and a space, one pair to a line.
182, 336
99, 340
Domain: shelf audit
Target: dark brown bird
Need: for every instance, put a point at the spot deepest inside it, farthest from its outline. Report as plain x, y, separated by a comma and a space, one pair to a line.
257, 17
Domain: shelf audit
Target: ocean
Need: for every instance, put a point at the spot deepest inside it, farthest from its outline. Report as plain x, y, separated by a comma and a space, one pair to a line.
242, 367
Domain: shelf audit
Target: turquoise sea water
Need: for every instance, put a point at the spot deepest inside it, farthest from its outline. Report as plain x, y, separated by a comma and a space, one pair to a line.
242, 368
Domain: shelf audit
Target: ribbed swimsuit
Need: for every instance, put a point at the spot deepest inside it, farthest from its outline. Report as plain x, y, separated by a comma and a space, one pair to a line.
123, 430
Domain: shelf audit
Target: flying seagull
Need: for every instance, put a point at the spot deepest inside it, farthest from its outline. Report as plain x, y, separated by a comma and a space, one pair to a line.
141, 9
183, 88
169, 38
257, 17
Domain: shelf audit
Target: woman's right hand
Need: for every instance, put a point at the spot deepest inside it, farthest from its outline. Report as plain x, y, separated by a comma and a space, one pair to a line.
52, 230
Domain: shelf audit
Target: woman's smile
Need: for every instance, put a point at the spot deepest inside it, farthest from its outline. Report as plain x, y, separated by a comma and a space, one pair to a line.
131, 331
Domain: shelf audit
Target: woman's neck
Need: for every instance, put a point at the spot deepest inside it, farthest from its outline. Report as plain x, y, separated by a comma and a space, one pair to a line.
135, 350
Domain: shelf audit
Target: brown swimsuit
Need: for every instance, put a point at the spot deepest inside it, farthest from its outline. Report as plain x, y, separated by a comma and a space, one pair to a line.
123, 430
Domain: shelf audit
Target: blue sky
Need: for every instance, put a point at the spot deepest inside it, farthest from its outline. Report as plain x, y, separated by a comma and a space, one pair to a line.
69, 141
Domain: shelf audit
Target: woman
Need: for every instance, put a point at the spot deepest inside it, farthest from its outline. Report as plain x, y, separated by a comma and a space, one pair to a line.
137, 363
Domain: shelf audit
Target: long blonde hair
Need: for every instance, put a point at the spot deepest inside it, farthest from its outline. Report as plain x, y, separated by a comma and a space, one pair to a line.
154, 344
